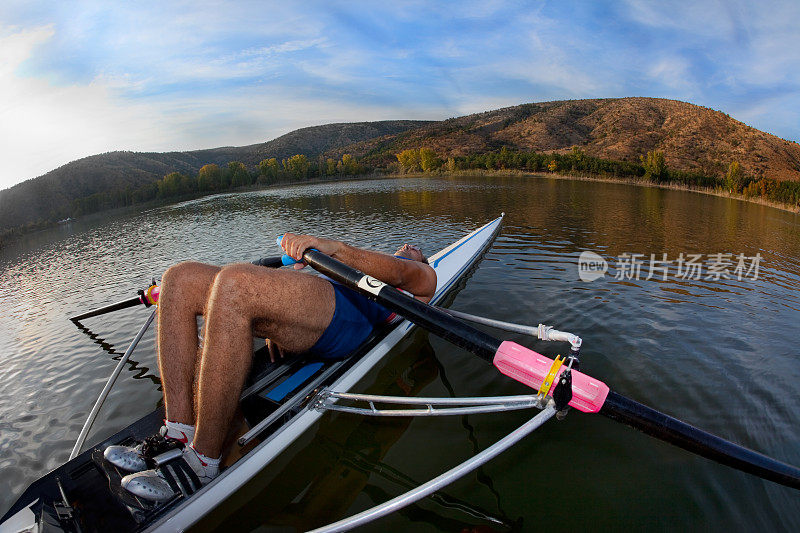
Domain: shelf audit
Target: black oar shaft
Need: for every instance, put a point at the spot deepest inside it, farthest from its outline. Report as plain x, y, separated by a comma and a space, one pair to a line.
108, 309
688, 437
422, 314
616, 406
269, 262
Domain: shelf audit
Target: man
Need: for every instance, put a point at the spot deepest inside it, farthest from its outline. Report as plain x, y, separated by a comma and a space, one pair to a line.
295, 312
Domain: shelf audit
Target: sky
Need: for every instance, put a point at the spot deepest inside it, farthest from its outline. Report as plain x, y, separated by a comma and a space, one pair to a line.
85, 77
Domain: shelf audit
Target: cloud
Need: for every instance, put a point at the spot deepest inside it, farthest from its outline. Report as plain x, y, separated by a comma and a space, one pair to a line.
45, 125
673, 72
88, 78
18, 44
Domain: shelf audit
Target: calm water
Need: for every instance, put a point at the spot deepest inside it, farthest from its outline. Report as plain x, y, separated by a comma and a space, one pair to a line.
722, 354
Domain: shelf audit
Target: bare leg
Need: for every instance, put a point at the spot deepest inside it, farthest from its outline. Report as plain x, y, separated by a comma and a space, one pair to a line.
290, 308
184, 292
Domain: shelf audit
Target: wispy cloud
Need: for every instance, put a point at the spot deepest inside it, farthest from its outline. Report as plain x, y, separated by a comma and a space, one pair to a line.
91, 77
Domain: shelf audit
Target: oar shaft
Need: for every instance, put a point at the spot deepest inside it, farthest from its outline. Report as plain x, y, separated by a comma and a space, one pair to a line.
132, 302
688, 437
526, 366
270, 262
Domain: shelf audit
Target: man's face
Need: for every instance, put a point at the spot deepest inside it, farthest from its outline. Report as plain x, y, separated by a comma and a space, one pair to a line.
410, 251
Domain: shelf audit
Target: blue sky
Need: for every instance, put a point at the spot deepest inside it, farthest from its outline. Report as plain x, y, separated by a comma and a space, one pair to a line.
79, 78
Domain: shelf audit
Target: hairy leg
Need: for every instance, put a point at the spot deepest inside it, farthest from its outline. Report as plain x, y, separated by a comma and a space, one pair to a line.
184, 291
291, 308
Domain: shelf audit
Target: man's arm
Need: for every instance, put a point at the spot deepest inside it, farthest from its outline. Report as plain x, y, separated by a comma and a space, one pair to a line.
413, 276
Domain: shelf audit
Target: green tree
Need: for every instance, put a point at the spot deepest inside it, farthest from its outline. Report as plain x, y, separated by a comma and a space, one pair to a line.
330, 167
504, 158
409, 160
350, 166
238, 174
173, 184
579, 159
268, 170
209, 178
655, 167
428, 160
167, 186
297, 166
734, 179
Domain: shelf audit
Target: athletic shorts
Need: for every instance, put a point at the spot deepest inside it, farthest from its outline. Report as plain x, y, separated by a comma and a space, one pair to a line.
354, 318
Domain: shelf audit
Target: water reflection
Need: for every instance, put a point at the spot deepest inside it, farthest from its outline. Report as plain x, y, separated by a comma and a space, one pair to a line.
719, 354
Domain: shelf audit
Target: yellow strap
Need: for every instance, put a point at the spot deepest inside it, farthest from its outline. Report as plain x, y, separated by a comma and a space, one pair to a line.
551, 375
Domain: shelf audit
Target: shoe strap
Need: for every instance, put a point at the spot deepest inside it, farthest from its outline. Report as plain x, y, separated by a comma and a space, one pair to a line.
187, 481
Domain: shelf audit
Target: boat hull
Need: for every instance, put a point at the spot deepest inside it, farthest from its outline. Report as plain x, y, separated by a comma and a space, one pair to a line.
105, 507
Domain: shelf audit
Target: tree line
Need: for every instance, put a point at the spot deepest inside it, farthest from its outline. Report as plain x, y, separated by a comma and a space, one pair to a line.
651, 168
212, 178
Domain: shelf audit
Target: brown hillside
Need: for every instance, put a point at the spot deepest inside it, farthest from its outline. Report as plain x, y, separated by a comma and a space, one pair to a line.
691, 137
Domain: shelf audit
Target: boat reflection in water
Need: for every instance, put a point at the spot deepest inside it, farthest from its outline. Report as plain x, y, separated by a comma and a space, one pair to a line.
343, 460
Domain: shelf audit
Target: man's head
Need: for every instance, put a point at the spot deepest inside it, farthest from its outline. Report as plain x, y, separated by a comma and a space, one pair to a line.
409, 251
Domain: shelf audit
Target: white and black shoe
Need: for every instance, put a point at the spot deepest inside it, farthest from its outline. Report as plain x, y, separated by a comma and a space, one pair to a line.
139, 457
183, 475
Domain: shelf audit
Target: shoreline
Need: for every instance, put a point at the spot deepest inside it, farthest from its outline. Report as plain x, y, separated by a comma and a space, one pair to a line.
608, 179
153, 204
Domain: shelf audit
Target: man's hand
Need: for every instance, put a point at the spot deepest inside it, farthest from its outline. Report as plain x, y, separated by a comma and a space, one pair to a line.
295, 245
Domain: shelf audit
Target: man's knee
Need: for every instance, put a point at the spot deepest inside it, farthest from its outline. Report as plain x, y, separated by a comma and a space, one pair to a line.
187, 278
239, 283
182, 271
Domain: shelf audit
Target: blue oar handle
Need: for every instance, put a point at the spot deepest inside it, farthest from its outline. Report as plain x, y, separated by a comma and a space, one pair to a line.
286, 259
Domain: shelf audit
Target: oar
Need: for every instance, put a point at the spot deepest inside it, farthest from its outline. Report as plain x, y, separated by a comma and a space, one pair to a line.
587, 394
124, 304
149, 296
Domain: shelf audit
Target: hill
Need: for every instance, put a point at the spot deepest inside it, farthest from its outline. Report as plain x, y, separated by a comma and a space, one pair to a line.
50, 197
693, 138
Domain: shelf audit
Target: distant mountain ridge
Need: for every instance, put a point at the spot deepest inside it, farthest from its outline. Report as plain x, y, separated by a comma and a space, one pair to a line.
692, 138
49, 197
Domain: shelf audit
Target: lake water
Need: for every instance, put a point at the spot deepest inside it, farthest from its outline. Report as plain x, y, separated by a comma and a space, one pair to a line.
721, 354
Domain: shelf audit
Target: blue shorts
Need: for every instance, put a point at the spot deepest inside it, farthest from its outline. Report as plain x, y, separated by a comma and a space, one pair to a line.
354, 318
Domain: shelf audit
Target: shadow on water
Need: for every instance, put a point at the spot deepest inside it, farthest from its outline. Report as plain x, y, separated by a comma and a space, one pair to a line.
138, 372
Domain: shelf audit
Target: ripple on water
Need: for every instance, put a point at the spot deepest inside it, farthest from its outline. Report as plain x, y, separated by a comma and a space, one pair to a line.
720, 354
